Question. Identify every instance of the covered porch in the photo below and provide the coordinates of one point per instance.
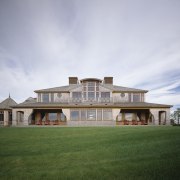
(134, 117)
(48, 117)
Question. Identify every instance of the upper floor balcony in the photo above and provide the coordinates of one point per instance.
(93, 100)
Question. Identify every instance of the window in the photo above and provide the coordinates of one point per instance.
(39, 97)
(91, 114)
(91, 90)
(76, 95)
(84, 95)
(99, 114)
(52, 116)
(107, 114)
(91, 83)
(91, 95)
(83, 114)
(74, 115)
(45, 97)
(105, 94)
(52, 97)
(136, 97)
(129, 96)
(1, 116)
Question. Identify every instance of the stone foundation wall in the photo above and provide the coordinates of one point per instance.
(91, 123)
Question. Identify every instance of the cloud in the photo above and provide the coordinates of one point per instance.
(42, 43)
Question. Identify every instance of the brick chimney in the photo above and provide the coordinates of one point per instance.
(108, 80)
(73, 80)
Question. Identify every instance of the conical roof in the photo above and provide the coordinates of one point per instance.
(7, 103)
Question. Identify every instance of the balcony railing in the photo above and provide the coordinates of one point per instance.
(91, 100)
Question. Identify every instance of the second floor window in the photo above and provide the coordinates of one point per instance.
(90, 90)
(136, 97)
(105, 94)
(45, 97)
(76, 95)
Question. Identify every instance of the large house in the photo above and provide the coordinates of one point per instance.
(90, 101)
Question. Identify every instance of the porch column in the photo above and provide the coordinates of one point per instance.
(66, 113)
(115, 113)
(27, 113)
(168, 117)
(155, 113)
(14, 117)
(6, 118)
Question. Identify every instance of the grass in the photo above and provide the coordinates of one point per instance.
(90, 153)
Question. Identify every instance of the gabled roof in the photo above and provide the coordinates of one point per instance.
(73, 86)
(115, 88)
(7, 103)
(59, 89)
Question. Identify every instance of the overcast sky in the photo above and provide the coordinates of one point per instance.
(43, 42)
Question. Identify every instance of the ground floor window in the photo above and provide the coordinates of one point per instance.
(75, 115)
(1, 116)
(107, 114)
(99, 114)
(91, 114)
(83, 115)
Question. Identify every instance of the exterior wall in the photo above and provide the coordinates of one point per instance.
(103, 89)
(6, 118)
(66, 113)
(16, 116)
(64, 96)
(155, 112)
(115, 113)
(168, 122)
(117, 97)
(91, 123)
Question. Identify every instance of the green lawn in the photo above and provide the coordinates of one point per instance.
(90, 153)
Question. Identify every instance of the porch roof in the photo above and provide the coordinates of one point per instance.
(131, 105)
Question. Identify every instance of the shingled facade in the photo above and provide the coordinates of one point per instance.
(90, 101)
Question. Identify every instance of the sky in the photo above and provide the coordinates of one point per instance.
(43, 42)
